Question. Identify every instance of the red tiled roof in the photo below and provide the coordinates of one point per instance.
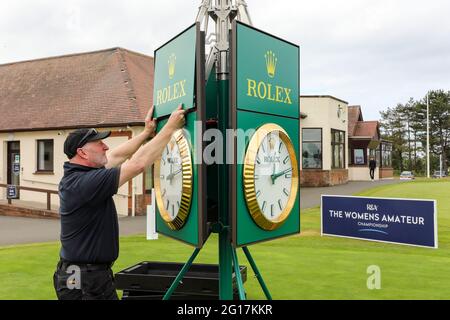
(111, 87)
(357, 127)
(367, 129)
(354, 115)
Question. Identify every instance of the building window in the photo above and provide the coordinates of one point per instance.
(338, 149)
(45, 155)
(358, 156)
(378, 156)
(312, 148)
(386, 155)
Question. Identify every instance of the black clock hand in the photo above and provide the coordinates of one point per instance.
(171, 175)
(273, 173)
(276, 176)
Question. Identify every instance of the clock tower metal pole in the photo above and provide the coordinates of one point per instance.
(225, 248)
(257, 273)
(180, 276)
(222, 15)
(223, 12)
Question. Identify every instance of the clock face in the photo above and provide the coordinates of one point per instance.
(273, 176)
(270, 176)
(173, 181)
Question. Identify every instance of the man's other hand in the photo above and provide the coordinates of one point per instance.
(150, 123)
(176, 120)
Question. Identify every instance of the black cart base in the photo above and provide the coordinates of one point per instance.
(151, 280)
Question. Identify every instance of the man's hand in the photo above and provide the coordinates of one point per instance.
(149, 153)
(176, 120)
(150, 123)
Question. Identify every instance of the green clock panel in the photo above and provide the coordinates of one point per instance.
(174, 78)
(266, 71)
(245, 230)
(193, 231)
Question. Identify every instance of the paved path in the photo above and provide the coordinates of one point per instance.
(310, 197)
(14, 230)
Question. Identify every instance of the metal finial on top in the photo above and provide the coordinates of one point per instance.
(223, 12)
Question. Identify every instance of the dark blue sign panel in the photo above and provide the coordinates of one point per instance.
(403, 221)
(11, 192)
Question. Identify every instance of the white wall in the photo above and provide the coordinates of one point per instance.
(3, 161)
(322, 113)
(28, 165)
(362, 174)
(121, 198)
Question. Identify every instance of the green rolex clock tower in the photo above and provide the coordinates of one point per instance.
(249, 82)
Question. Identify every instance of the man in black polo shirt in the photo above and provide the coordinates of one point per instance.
(89, 225)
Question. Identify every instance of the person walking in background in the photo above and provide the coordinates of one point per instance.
(372, 166)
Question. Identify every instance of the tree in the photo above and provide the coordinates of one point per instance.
(392, 129)
(439, 106)
(405, 125)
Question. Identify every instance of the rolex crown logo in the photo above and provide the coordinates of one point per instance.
(172, 61)
(271, 63)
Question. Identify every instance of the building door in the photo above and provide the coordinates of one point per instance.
(13, 163)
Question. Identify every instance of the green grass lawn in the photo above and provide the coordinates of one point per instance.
(305, 266)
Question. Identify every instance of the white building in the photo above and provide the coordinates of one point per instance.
(336, 143)
(41, 101)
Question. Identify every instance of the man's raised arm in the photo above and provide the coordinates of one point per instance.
(151, 151)
(119, 155)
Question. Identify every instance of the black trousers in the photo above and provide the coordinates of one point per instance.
(372, 173)
(84, 282)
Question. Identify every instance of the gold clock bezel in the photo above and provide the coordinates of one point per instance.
(249, 177)
(187, 184)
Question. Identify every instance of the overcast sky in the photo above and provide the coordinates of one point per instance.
(375, 53)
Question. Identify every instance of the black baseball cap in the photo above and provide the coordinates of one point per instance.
(80, 137)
